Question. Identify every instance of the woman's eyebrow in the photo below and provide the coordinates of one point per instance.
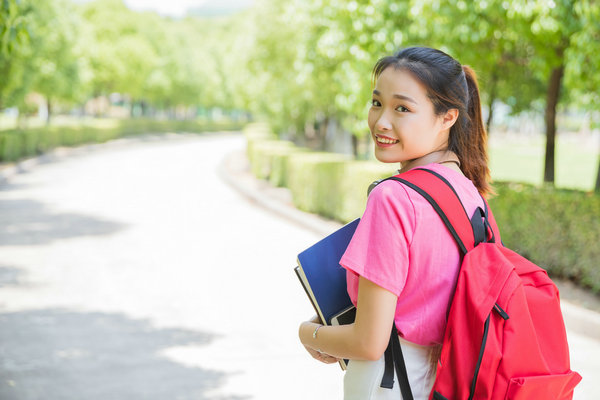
(397, 96)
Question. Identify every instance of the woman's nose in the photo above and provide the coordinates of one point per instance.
(382, 123)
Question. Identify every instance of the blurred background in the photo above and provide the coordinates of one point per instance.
(304, 66)
(295, 75)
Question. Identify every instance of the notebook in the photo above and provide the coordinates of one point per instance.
(324, 279)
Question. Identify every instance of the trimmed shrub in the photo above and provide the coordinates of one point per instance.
(12, 146)
(279, 165)
(558, 229)
(314, 179)
(261, 155)
(254, 133)
(16, 144)
(358, 176)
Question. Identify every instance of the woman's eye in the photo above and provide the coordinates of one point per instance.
(402, 109)
(375, 103)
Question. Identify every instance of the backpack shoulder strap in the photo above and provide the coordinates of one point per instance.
(468, 232)
(445, 201)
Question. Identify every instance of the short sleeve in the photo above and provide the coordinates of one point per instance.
(379, 249)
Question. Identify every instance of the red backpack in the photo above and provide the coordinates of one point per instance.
(505, 337)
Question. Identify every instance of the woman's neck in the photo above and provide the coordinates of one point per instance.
(449, 158)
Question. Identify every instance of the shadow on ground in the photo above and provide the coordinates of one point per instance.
(63, 355)
(10, 276)
(29, 222)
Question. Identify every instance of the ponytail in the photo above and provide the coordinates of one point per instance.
(469, 139)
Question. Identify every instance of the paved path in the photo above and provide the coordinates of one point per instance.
(131, 271)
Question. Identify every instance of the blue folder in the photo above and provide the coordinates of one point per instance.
(323, 277)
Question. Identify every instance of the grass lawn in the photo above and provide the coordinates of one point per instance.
(520, 158)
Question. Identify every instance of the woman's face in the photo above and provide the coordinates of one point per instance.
(402, 121)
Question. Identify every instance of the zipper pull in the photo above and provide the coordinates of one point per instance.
(500, 311)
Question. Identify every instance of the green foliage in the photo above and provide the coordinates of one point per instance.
(79, 51)
(119, 55)
(54, 67)
(262, 152)
(18, 144)
(14, 29)
(584, 52)
(15, 26)
(314, 180)
(489, 36)
(557, 229)
(311, 60)
(303, 65)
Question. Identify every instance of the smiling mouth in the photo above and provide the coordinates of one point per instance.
(385, 140)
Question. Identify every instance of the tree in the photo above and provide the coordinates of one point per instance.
(350, 38)
(13, 25)
(14, 43)
(485, 35)
(54, 66)
(583, 81)
(120, 56)
(553, 24)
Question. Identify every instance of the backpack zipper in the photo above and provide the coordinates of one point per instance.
(486, 328)
(500, 311)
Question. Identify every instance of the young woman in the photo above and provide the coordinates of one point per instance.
(402, 263)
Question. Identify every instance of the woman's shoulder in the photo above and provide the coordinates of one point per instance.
(463, 186)
(391, 191)
(388, 191)
(391, 201)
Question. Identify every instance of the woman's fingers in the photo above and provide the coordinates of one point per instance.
(324, 358)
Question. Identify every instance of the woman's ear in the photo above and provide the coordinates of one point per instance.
(449, 118)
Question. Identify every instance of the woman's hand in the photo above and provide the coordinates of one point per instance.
(316, 354)
(366, 338)
(324, 358)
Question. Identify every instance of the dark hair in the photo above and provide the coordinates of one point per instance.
(450, 85)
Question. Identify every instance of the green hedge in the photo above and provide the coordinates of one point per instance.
(557, 229)
(17, 144)
(314, 179)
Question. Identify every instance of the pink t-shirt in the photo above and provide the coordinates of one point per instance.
(402, 245)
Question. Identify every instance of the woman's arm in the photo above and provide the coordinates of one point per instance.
(365, 339)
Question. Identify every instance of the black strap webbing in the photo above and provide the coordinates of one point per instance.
(394, 357)
(388, 373)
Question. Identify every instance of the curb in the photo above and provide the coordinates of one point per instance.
(234, 170)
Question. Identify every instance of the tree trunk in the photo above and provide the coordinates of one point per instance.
(355, 146)
(49, 109)
(597, 187)
(488, 123)
(493, 84)
(550, 118)
(322, 133)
